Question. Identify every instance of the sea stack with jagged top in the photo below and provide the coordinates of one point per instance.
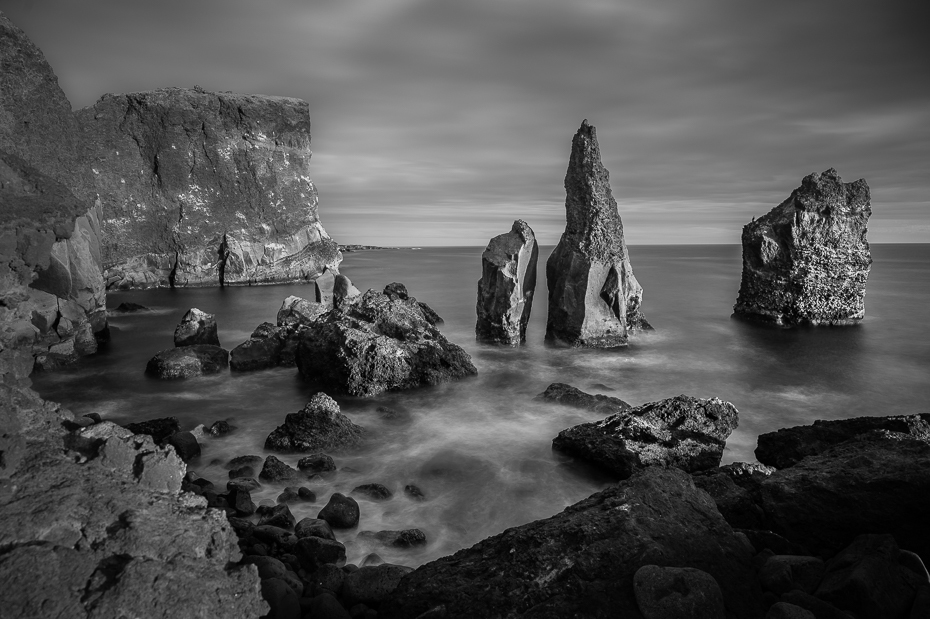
(594, 299)
(506, 287)
(806, 262)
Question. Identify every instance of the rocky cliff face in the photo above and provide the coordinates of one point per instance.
(807, 260)
(51, 232)
(507, 285)
(200, 188)
(594, 299)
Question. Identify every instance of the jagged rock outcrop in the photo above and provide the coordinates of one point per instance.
(380, 341)
(48, 216)
(507, 285)
(807, 260)
(689, 433)
(594, 299)
(318, 426)
(203, 188)
(582, 562)
(196, 327)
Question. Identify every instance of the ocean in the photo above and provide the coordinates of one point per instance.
(480, 448)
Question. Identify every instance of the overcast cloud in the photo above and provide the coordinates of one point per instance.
(441, 121)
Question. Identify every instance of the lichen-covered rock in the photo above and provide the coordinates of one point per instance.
(566, 395)
(379, 342)
(581, 562)
(689, 433)
(594, 299)
(807, 260)
(320, 425)
(788, 446)
(196, 327)
(507, 285)
(203, 188)
(187, 362)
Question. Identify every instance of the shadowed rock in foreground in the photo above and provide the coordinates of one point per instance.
(807, 260)
(582, 562)
(507, 285)
(594, 299)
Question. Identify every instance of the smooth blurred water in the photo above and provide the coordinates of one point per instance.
(481, 448)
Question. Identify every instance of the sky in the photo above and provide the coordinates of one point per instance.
(439, 122)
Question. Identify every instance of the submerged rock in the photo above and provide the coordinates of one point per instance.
(379, 342)
(566, 395)
(320, 425)
(196, 327)
(204, 188)
(689, 433)
(507, 285)
(807, 260)
(582, 561)
(594, 299)
(188, 361)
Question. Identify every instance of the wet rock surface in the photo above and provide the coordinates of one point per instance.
(807, 260)
(566, 395)
(594, 299)
(507, 286)
(689, 433)
(381, 341)
(318, 426)
(582, 561)
(187, 362)
(203, 188)
(196, 327)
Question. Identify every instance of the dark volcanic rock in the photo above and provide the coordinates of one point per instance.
(341, 512)
(407, 538)
(507, 285)
(807, 260)
(581, 562)
(275, 470)
(788, 446)
(185, 443)
(319, 425)
(373, 583)
(689, 433)
(374, 492)
(128, 307)
(379, 342)
(262, 349)
(188, 361)
(196, 327)
(202, 188)
(680, 592)
(316, 463)
(560, 393)
(594, 299)
(158, 429)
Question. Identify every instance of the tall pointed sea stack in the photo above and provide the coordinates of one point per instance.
(506, 287)
(807, 261)
(594, 298)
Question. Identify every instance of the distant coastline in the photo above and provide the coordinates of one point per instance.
(350, 248)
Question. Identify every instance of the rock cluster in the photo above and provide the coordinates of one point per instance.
(197, 349)
(204, 188)
(686, 432)
(594, 299)
(807, 260)
(507, 285)
(319, 426)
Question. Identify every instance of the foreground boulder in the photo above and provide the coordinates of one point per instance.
(196, 327)
(380, 341)
(594, 299)
(689, 433)
(188, 361)
(807, 260)
(204, 188)
(319, 426)
(582, 562)
(507, 285)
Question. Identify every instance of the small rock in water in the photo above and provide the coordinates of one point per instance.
(316, 463)
(129, 306)
(312, 552)
(249, 460)
(158, 429)
(414, 492)
(196, 328)
(275, 470)
(372, 558)
(219, 428)
(185, 444)
(566, 395)
(277, 516)
(306, 494)
(243, 483)
(314, 527)
(288, 496)
(408, 538)
(319, 425)
(341, 512)
(375, 492)
(244, 471)
(188, 361)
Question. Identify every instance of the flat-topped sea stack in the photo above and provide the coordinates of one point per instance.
(506, 287)
(201, 189)
(806, 262)
(594, 299)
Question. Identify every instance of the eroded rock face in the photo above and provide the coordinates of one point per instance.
(594, 299)
(507, 285)
(807, 260)
(196, 327)
(582, 561)
(380, 341)
(689, 433)
(202, 188)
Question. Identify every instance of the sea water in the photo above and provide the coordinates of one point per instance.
(480, 448)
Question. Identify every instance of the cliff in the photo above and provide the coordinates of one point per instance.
(594, 298)
(200, 188)
(807, 260)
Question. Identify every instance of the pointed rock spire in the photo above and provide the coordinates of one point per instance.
(594, 298)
